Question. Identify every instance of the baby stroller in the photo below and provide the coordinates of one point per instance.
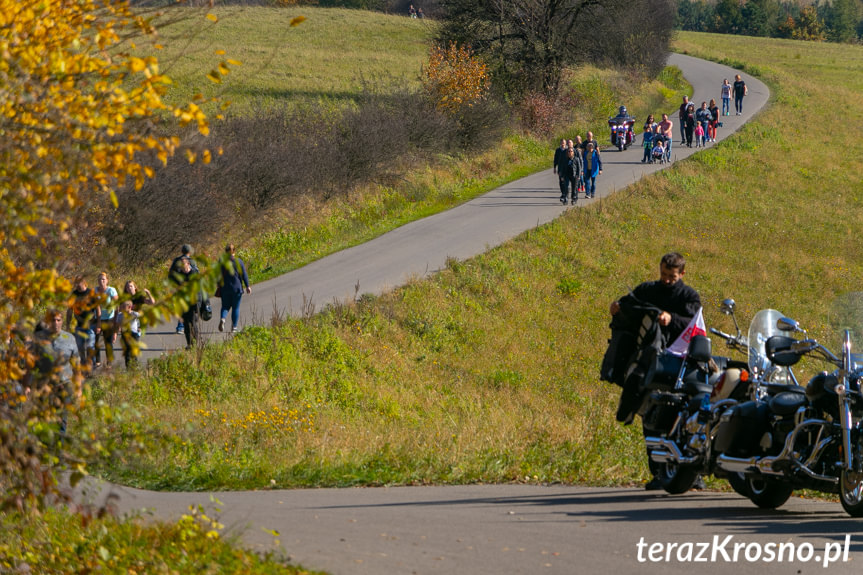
(658, 153)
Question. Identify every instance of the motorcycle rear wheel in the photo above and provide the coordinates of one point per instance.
(768, 493)
(851, 493)
(675, 478)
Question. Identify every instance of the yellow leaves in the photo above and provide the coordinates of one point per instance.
(455, 78)
(212, 18)
(137, 64)
(297, 21)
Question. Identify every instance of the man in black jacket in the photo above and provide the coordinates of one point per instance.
(559, 156)
(678, 303)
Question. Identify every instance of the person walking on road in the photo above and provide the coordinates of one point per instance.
(666, 128)
(234, 277)
(176, 268)
(739, 90)
(592, 167)
(105, 328)
(702, 117)
(689, 124)
(127, 323)
(185, 273)
(83, 316)
(726, 97)
(569, 174)
(714, 120)
(51, 379)
(559, 156)
(681, 116)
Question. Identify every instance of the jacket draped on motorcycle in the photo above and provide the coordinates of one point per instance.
(681, 301)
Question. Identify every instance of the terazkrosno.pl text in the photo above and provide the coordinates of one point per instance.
(728, 550)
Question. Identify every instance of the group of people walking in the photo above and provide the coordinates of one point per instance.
(100, 314)
(230, 290)
(577, 168)
(577, 164)
(103, 315)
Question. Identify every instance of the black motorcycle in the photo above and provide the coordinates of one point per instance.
(690, 446)
(792, 440)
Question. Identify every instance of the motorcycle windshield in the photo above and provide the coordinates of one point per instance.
(763, 327)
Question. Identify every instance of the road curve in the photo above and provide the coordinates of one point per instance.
(422, 247)
(504, 528)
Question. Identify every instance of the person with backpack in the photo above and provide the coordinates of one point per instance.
(234, 277)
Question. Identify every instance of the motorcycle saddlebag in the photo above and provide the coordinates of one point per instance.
(742, 428)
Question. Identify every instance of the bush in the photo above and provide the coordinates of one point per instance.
(276, 156)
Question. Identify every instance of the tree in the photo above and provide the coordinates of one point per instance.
(842, 17)
(728, 17)
(454, 78)
(81, 115)
(528, 43)
(694, 15)
(759, 17)
(809, 25)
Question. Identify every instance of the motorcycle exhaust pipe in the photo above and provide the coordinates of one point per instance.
(762, 465)
(666, 451)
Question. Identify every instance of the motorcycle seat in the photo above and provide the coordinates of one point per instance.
(787, 403)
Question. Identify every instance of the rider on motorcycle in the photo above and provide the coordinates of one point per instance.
(623, 116)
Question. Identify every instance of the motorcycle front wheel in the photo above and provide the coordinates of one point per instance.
(768, 493)
(851, 493)
(675, 478)
(739, 484)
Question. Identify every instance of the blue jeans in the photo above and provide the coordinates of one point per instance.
(231, 301)
(86, 341)
(668, 148)
(726, 106)
(589, 185)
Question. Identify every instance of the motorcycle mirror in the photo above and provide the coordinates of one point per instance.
(788, 324)
(727, 306)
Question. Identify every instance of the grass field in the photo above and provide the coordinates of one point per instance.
(488, 371)
(326, 58)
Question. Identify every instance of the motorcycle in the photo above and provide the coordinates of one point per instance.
(793, 440)
(621, 131)
(786, 436)
(686, 449)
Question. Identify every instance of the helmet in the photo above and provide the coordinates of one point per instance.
(622, 111)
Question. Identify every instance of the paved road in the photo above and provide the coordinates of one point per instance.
(505, 528)
(509, 529)
(423, 247)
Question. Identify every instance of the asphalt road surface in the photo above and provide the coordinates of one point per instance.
(507, 528)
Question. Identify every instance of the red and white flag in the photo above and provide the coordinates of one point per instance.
(696, 327)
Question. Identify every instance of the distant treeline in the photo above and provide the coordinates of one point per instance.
(818, 20)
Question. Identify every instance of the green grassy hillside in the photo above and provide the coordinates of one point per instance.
(488, 372)
(327, 57)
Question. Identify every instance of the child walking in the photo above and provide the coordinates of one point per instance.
(699, 136)
(127, 322)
